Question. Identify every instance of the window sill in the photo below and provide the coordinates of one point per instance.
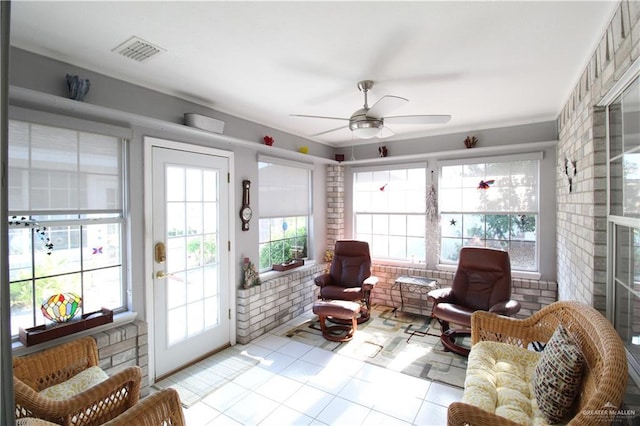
(528, 275)
(18, 349)
(399, 263)
(269, 275)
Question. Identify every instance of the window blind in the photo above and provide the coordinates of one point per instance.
(283, 190)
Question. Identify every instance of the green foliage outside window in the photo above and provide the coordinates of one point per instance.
(291, 245)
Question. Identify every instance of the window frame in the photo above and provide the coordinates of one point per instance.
(534, 156)
(284, 215)
(77, 217)
(354, 210)
(621, 250)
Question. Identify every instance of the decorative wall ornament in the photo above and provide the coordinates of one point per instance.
(486, 184)
(77, 88)
(432, 201)
(268, 140)
(470, 142)
(245, 211)
(570, 171)
(41, 231)
(382, 151)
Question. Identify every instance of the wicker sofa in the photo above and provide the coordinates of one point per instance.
(604, 375)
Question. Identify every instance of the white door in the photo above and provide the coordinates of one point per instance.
(190, 265)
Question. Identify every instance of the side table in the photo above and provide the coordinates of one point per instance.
(412, 285)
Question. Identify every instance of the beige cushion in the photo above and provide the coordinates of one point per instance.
(499, 381)
(557, 377)
(82, 381)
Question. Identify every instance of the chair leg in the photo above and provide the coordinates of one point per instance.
(448, 341)
(444, 325)
(323, 326)
(338, 333)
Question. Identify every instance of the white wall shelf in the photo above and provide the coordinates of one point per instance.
(486, 151)
(28, 98)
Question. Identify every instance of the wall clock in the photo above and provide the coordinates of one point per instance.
(245, 211)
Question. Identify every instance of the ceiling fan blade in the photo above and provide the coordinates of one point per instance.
(417, 119)
(329, 131)
(319, 116)
(385, 133)
(386, 105)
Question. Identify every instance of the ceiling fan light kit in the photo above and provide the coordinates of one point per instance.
(367, 123)
(365, 127)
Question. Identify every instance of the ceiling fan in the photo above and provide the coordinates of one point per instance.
(369, 122)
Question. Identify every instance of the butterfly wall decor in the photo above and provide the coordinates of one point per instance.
(484, 184)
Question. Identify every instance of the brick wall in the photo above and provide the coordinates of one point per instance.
(581, 215)
(335, 205)
(264, 307)
(124, 346)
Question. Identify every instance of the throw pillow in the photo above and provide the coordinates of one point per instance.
(77, 384)
(557, 377)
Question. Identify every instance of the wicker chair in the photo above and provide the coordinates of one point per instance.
(94, 406)
(604, 379)
(162, 408)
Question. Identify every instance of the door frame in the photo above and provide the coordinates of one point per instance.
(151, 142)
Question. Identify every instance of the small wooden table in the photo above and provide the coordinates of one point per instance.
(414, 285)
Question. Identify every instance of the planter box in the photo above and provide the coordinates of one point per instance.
(286, 266)
(44, 333)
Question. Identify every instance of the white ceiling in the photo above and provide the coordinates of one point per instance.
(488, 64)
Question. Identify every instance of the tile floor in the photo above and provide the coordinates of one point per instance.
(298, 384)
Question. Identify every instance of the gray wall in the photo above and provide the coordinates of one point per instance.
(47, 76)
(503, 136)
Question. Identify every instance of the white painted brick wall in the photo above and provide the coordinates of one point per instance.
(581, 218)
(264, 307)
(125, 346)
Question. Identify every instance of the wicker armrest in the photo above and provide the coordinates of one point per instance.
(96, 405)
(162, 407)
(498, 328)
(461, 414)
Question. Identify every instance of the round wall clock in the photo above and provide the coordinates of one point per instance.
(245, 211)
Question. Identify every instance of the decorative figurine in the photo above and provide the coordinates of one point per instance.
(251, 277)
(77, 87)
(470, 142)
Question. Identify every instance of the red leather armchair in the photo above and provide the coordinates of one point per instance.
(349, 277)
(482, 282)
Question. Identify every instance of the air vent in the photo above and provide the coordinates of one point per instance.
(137, 49)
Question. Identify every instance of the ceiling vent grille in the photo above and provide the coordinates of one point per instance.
(137, 49)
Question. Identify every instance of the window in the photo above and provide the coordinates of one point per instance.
(490, 204)
(66, 189)
(284, 191)
(390, 212)
(624, 217)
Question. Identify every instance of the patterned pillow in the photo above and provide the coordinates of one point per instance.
(79, 383)
(557, 377)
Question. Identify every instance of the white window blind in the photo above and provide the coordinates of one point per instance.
(54, 170)
(283, 190)
(513, 183)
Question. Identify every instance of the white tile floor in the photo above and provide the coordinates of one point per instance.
(298, 384)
